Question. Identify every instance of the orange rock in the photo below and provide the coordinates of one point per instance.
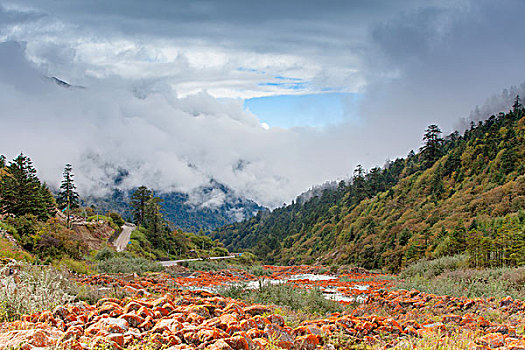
(71, 344)
(277, 319)
(261, 322)
(257, 309)
(282, 337)
(451, 318)
(262, 343)
(248, 324)
(307, 342)
(195, 318)
(132, 319)
(169, 325)
(33, 337)
(492, 340)
(131, 306)
(219, 345)
(72, 333)
(116, 338)
(238, 343)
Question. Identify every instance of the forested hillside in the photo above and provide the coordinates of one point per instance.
(461, 193)
(183, 211)
(36, 226)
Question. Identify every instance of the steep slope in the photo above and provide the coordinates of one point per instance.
(465, 195)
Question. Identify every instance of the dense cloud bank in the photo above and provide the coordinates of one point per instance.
(158, 87)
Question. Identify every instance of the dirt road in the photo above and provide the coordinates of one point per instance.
(122, 241)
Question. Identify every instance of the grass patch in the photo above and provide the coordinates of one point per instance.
(433, 268)
(27, 289)
(448, 276)
(128, 264)
(311, 301)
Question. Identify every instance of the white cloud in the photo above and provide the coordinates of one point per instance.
(164, 85)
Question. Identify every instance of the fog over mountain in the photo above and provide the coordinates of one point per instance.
(157, 90)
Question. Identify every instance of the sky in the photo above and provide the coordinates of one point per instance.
(268, 98)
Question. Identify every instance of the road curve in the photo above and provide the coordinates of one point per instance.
(122, 241)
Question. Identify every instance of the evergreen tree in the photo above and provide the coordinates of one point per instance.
(2, 161)
(48, 204)
(139, 199)
(20, 188)
(517, 107)
(67, 197)
(432, 150)
(359, 185)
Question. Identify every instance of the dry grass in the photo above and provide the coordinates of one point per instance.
(27, 289)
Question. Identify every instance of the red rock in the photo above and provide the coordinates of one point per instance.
(307, 342)
(282, 337)
(451, 318)
(248, 324)
(238, 343)
(116, 338)
(219, 345)
(277, 319)
(195, 318)
(167, 325)
(492, 340)
(260, 321)
(132, 319)
(257, 309)
(72, 333)
(33, 337)
(71, 344)
(131, 306)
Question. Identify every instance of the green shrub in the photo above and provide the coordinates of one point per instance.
(8, 228)
(128, 264)
(36, 288)
(471, 283)
(77, 266)
(106, 219)
(247, 258)
(105, 254)
(311, 301)
(432, 268)
(219, 251)
(117, 219)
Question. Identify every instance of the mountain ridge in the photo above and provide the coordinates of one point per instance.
(409, 209)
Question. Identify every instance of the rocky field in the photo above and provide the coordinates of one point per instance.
(194, 310)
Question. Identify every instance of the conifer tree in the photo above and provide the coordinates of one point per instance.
(67, 198)
(517, 107)
(432, 150)
(20, 188)
(139, 199)
(48, 203)
(2, 161)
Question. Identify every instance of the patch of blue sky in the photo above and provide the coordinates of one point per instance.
(280, 77)
(312, 110)
(288, 86)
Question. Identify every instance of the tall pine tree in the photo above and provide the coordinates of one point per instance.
(139, 200)
(432, 150)
(67, 197)
(20, 189)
